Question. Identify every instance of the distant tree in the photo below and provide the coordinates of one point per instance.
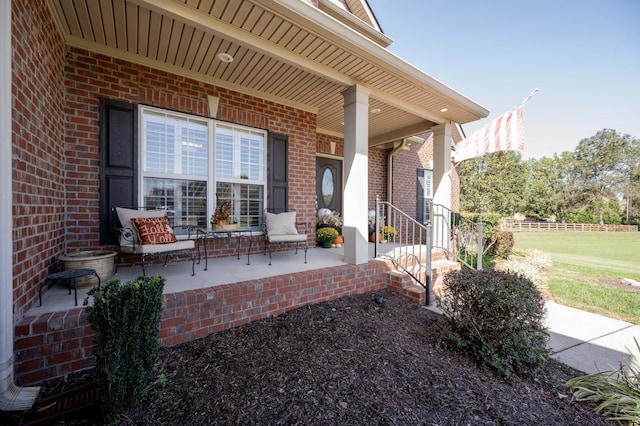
(569, 194)
(544, 187)
(590, 213)
(631, 190)
(600, 167)
(493, 183)
(582, 186)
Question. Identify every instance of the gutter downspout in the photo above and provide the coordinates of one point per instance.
(12, 397)
(390, 169)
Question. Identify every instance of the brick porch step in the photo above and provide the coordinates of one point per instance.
(402, 282)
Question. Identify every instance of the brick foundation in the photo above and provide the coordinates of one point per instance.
(54, 344)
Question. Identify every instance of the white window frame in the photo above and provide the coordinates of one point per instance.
(210, 178)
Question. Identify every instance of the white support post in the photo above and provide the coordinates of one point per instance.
(442, 164)
(442, 141)
(12, 397)
(356, 163)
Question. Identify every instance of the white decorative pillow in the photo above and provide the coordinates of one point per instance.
(281, 223)
(125, 215)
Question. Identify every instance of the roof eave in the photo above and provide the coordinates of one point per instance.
(354, 22)
(319, 22)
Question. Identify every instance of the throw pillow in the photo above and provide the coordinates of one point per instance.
(125, 215)
(281, 223)
(154, 230)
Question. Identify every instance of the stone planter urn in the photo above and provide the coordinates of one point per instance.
(100, 260)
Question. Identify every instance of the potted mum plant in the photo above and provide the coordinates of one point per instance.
(326, 236)
(388, 232)
(329, 219)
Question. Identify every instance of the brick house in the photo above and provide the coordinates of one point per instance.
(93, 91)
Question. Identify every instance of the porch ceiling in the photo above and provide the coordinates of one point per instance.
(284, 50)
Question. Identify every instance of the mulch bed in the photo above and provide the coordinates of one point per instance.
(346, 362)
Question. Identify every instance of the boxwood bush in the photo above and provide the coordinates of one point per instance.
(496, 318)
(126, 319)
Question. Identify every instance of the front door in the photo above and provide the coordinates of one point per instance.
(329, 183)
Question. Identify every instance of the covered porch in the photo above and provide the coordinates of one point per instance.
(220, 271)
(56, 339)
(308, 76)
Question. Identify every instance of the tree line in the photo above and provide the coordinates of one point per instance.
(597, 183)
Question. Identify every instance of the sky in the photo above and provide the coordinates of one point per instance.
(583, 56)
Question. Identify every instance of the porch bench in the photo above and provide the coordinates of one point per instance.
(146, 231)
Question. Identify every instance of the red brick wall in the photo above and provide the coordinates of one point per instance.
(405, 165)
(377, 166)
(377, 175)
(324, 144)
(55, 344)
(90, 76)
(37, 148)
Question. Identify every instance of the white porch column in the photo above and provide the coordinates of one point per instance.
(356, 178)
(442, 164)
(12, 397)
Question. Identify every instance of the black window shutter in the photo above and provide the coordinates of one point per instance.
(420, 196)
(278, 173)
(118, 162)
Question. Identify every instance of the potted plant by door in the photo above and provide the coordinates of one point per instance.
(329, 219)
(388, 232)
(326, 236)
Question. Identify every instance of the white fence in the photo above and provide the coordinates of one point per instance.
(511, 225)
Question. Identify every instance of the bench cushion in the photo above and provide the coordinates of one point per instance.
(158, 248)
(298, 238)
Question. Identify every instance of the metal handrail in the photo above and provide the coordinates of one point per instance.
(408, 242)
(461, 238)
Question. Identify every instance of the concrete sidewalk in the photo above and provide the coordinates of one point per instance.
(590, 342)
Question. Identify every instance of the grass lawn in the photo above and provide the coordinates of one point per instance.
(583, 262)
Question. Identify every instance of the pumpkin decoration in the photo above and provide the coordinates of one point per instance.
(373, 237)
(338, 240)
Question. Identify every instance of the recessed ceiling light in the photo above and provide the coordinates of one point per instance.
(225, 57)
(375, 110)
(444, 110)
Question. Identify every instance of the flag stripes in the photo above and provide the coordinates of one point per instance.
(505, 133)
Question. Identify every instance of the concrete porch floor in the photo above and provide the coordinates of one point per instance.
(225, 270)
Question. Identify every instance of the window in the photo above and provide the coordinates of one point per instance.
(241, 172)
(188, 160)
(428, 194)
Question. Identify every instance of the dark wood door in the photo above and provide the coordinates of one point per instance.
(329, 183)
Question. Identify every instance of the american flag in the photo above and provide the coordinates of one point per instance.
(505, 133)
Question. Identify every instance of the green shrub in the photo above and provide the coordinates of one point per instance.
(490, 228)
(503, 245)
(490, 221)
(125, 318)
(495, 318)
